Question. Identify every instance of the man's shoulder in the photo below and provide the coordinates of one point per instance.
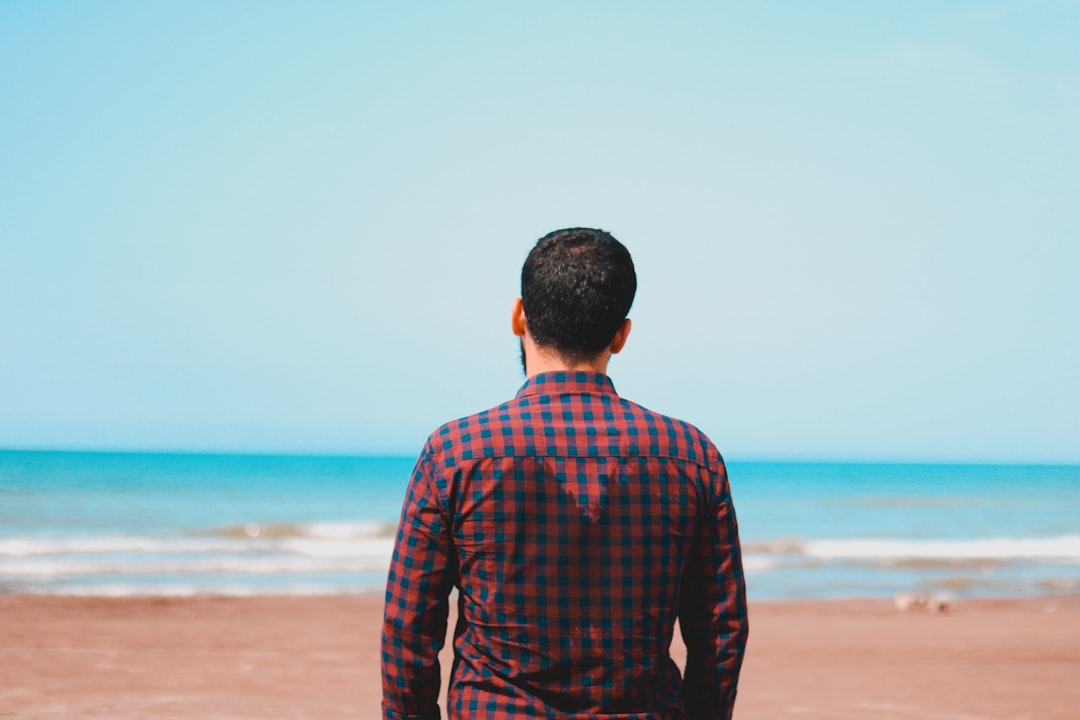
(469, 433)
(658, 433)
(528, 426)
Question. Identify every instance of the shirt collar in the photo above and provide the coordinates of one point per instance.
(554, 383)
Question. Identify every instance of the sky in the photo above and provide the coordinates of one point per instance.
(298, 226)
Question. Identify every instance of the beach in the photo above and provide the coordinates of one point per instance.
(318, 657)
(245, 586)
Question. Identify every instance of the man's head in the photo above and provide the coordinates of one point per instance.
(577, 286)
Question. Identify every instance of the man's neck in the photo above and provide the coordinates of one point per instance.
(541, 360)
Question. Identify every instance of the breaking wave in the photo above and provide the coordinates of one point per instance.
(1063, 549)
(290, 558)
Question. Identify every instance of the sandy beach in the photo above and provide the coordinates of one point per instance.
(317, 657)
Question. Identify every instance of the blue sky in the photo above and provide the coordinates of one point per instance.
(298, 227)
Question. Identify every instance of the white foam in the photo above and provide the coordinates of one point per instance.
(1063, 549)
(339, 548)
(81, 566)
(24, 546)
(347, 530)
(758, 564)
(337, 542)
(182, 590)
(317, 530)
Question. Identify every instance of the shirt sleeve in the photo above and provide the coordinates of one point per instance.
(422, 572)
(712, 611)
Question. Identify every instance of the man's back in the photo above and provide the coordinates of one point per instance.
(577, 526)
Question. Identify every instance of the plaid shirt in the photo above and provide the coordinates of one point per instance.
(576, 526)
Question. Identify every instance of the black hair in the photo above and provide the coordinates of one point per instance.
(577, 286)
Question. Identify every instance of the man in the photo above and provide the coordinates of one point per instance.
(575, 525)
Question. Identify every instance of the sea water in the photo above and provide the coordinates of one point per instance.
(183, 524)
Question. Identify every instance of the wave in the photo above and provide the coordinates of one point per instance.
(351, 540)
(759, 564)
(207, 565)
(193, 590)
(148, 547)
(1064, 549)
(25, 546)
(317, 531)
(318, 558)
(240, 555)
(319, 539)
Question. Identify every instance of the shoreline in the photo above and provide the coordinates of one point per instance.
(318, 656)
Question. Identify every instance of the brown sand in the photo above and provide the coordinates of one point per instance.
(218, 658)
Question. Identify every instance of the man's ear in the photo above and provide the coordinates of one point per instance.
(621, 334)
(517, 317)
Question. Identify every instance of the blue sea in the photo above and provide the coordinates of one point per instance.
(175, 524)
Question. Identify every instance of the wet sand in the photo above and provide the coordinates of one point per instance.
(318, 657)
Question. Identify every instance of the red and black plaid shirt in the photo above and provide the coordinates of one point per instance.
(576, 526)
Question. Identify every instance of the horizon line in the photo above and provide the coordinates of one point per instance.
(389, 453)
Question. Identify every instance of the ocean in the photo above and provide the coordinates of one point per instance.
(184, 524)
